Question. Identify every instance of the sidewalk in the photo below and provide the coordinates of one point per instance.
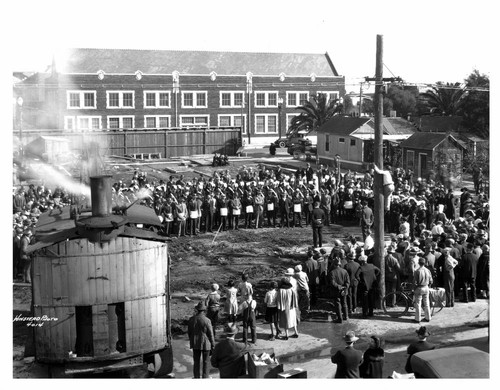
(320, 337)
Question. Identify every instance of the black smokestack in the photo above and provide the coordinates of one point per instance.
(100, 189)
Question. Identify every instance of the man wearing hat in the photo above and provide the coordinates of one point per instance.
(468, 270)
(318, 217)
(25, 258)
(348, 359)
(201, 339)
(419, 346)
(422, 280)
(311, 268)
(392, 271)
(338, 281)
(352, 295)
(368, 280)
(228, 355)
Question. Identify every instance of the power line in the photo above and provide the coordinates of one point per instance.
(315, 85)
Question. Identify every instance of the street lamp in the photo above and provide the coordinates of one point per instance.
(20, 102)
(280, 105)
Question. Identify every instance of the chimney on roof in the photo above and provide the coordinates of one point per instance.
(392, 114)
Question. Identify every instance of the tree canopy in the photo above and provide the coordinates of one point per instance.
(313, 113)
(402, 99)
(476, 106)
(445, 98)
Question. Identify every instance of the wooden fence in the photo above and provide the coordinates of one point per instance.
(164, 143)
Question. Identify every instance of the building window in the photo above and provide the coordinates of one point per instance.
(327, 143)
(194, 99)
(232, 121)
(231, 99)
(341, 140)
(294, 99)
(266, 123)
(194, 120)
(353, 142)
(88, 122)
(120, 99)
(330, 95)
(410, 157)
(81, 99)
(121, 122)
(156, 99)
(266, 99)
(69, 122)
(156, 121)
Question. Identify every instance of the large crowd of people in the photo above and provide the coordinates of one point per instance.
(437, 239)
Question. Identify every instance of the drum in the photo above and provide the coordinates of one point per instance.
(297, 208)
(236, 211)
(348, 205)
(223, 212)
(249, 209)
(193, 214)
(270, 206)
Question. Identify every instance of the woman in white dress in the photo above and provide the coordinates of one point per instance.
(287, 303)
(231, 305)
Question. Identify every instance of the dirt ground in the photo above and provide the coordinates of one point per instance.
(197, 262)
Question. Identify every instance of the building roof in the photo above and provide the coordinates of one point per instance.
(442, 124)
(426, 141)
(397, 128)
(126, 61)
(342, 125)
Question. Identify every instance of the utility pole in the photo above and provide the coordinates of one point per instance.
(360, 98)
(378, 158)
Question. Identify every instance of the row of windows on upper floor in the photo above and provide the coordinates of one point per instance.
(263, 123)
(189, 99)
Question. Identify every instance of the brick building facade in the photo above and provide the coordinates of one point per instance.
(88, 89)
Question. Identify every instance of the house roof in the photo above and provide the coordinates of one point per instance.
(397, 128)
(126, 61)
(426, 141)
(442, 124)
(342, 125)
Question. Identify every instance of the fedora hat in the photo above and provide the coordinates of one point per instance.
(350, 337)
(231, 329)
(422, 331)
(200, 306)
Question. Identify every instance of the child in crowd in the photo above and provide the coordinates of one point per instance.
(271, 315)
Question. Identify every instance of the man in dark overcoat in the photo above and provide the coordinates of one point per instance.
(229, 356)
(348, 359)
(201, 339)
(338, 281)
(368, 283)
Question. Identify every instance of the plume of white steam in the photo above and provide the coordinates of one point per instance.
(52, 178)
(144, 193)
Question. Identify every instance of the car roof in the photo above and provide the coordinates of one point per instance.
(452, 362)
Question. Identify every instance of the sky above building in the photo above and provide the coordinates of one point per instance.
(423, 42)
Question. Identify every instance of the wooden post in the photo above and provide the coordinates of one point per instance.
(378, 160)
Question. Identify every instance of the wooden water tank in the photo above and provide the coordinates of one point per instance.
(109, 299)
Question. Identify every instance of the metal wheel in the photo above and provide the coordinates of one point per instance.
(395, 304)
(281, 144)
(435, 307)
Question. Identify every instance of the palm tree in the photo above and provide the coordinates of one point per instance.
(445, 98)
(316, 111)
